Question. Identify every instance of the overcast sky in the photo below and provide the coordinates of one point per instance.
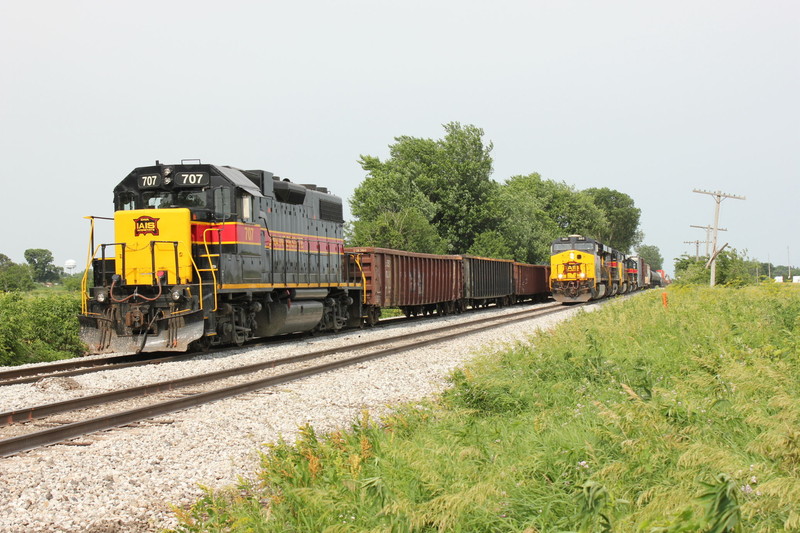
(653, 99)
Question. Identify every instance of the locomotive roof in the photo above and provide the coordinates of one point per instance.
(574, 238)
(239, 179)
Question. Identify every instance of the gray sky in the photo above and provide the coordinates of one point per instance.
(652, 99)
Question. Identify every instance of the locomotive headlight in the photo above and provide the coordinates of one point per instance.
(561, 276)
(571, 255)
(176, 294)
(100, 296)
(582, 275)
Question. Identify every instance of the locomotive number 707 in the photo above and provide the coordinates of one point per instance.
(193, 178)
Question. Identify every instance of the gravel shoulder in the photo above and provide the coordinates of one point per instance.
(126, 479)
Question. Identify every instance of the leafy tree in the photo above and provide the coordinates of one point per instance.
(622, 229)
(407, 229)
(534, 212)
(733, 269)
(446, 181)
(15, 277)
(41, 261)
(651, 255)
(491, 244)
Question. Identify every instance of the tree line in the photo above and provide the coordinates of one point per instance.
(734, 269)
(437, 196)
(38, 268)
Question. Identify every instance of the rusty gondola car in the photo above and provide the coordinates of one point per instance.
(531, 282)
(416, 283)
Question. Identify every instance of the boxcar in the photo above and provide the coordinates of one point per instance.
(416, 283)
(488, 281)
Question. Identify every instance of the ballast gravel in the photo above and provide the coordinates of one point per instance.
(127, 479)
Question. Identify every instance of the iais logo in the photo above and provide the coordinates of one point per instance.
(145, 225)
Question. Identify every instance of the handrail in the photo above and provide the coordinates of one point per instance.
(363, 277)
(90, 257)
(153, 261)
(85, 278)
(210, 264)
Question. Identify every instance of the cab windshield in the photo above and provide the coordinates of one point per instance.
(166, 199)
(566, 246)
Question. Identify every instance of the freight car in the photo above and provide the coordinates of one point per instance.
(584, 269)
(208, 255)
(531, 282)
(424, 284)
(416, 283)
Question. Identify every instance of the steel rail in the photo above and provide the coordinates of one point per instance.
(56, 368)
(46, 437)
(99, 368)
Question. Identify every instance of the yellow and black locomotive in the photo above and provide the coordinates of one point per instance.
(583, 269)
(206, 254)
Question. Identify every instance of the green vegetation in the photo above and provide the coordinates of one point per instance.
(651, 255)
(734, 269)
(634, 418)
(36, 328)
(41, 262)
(437, 196)
(38, 321)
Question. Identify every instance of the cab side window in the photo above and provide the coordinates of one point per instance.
(246, 207)
(222, 202)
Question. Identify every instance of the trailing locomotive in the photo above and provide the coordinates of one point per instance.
(215, 255)
(209, 255)
(583, 269)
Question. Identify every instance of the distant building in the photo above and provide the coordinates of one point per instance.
(778, 279)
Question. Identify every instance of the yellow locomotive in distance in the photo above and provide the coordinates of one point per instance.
(583, 269)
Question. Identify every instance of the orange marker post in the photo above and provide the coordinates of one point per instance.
(664, 299)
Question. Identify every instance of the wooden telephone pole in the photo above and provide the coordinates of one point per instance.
(708, 229)
(718, 197)
(696, 248)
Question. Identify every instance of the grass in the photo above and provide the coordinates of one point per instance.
(633, 418)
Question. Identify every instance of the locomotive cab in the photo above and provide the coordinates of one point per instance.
(574, 265)
(584, 269)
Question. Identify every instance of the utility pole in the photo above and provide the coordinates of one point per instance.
(708, 229)
(718, 197)
(696, 248)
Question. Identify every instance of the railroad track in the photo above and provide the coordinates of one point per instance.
(372, 350)
(75, 367)
(80, 366)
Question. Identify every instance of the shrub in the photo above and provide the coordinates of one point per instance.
(38, 328)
